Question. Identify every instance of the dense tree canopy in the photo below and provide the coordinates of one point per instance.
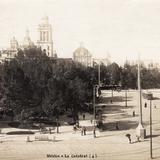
(35, 83)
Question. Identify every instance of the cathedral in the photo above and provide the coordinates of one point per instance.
(44, 41)
(83, 56)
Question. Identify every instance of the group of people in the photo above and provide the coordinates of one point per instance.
(83, 130)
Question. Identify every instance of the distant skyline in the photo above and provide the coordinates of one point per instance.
(122, 28)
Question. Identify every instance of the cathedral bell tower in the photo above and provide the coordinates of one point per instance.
(45, 37)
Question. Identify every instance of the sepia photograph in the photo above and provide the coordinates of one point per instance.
(79, 79)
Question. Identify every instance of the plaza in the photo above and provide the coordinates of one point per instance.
(111, 143)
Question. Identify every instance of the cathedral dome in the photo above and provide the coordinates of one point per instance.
(81, 51)
(83, 56)
(27, 41)
(13, 43)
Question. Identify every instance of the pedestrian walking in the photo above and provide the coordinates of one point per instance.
(129, 137)
(145, 105)
(77, 124)
(74, 128)
(133, 113)
(91, 120)
(50, 131)
(83, 116)
(155, 106)
(138, 138)
(94, 132)
(84, 131)
(117, 127)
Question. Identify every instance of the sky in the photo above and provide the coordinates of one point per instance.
(121, 28)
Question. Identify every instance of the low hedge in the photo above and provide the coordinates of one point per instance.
(20, 132)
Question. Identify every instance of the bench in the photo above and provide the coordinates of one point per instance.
(44, 138)
(41, 138)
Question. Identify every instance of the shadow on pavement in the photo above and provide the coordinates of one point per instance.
(157, 135)
(116, 109)
(115, 99)
(156, 98)
(120, 125)
(139, 141)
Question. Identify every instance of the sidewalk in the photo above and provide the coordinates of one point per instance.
(65, 133)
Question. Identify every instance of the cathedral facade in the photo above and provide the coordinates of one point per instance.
(44, 41)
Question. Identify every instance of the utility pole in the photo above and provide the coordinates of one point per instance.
(140, 130)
